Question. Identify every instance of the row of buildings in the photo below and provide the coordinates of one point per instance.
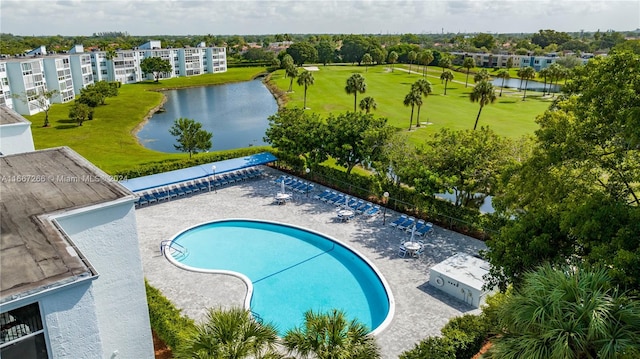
(23, 77)
(538, 62)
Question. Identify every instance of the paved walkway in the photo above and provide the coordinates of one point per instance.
(420, 310)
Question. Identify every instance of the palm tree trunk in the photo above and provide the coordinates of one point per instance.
(466, 81)
(305, 97)
(477, 118)
(355, 100)
(526, 84)
(411, 119)
(502, 87)
(445, 87)
(418, 117)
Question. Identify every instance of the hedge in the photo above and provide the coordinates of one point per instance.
(166, 320)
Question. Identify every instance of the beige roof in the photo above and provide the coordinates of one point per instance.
(9, 116)
(34, 254)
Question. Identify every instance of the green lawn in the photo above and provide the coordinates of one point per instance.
(108, 140)
(508, 116)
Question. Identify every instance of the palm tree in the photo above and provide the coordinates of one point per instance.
(526, 73)
(411, 56)
(367, 104)
(331, 336)
(544, 73)
(366, 60)
(468, 63)
(484, 94)
(568, 312)
(445, 62)
(355, 84)
(392, 58)
(422, 87)
(230, 334)
(412, 99)
(425, 58)
(503, 74)
(305, 79)
(292, 72)
(481, 75)
(446, 76)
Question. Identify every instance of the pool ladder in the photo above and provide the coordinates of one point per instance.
(257, 317)
(174, 247)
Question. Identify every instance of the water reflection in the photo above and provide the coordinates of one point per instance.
(235, 113)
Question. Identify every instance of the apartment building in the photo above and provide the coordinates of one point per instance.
(5, 91)
(488, 60)
(27, 80)
(57, 73)
(81, 69)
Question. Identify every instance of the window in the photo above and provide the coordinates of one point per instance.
(22, 334)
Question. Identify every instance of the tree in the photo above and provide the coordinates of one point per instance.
(156, 66)
(302, 52)
(41, 99)
(412, 99)
(482, 75)
(425, 57)
(468, 63)
(230, 334)
(484, 40)
(569, 312)
(378, 55)
(79, 112)
(104, 89)
(423, 88)
(305, 79)
(445, 62)
(545, 38)
(392, 58)
(411, 56)
(526, 73)
(578, 195)
(325, 52)
(353, 138)
(331, 336)
(446, 76)
(366, 60)
(503, 74)
(297, 133)
(544, 73)
(509, 63)
(355, 84)
(354, 47)
(484, 94)
(191, 137)
(467, 163)
(292, 72)
(367, 104)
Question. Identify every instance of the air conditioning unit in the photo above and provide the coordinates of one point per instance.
(461, 276)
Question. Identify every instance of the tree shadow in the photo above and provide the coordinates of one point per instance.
(65, 124)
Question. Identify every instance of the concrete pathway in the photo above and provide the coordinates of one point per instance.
(420, 309)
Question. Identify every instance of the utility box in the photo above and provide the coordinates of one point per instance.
(462, 277)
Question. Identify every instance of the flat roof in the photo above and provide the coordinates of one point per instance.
(465, 269)
(34, 253)
(191, 173)
(8, 116)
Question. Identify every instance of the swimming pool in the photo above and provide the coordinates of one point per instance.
(288, 270)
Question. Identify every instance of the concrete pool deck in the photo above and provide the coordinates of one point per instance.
(420, 309)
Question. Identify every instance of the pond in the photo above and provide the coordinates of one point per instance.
(531, 85)
(236, 114)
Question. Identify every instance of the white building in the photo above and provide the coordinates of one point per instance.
(71, 280)
(462, 277)
(5, 90)
(15, 133)
(26, 79)
(69, 73)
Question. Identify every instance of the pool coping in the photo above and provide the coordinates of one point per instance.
(249, 284)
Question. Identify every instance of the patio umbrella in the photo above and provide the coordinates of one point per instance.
(346, 201)
(413, 232)
(282, 186)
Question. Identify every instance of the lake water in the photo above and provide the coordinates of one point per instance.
(235, 113)
(531, 86)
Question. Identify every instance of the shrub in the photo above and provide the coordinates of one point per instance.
(467, 334)
(166, 320)
(431, 348)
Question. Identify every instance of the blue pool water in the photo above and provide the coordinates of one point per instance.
(292, 270)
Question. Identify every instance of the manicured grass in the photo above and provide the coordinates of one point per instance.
(508, 116)
(108, 140)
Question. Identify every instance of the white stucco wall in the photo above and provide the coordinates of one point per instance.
(16, 138)
(107, 236)
(71, 323)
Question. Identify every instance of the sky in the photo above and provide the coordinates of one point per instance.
(256, 17)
